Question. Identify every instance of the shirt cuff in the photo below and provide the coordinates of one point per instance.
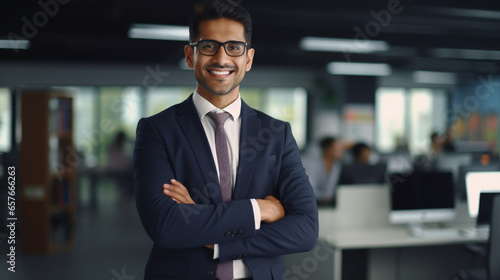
(216, 251)
(256, 213)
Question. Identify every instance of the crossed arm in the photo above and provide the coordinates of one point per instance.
(173, 221)
(271, 209)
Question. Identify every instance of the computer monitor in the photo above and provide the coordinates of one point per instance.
(478, 182)
(362, 174)
(422, 196)
(462, 172)
(485, 208)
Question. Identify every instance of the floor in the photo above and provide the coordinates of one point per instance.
(110, 244)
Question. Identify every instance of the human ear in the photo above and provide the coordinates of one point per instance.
(189, 54)
(250, 54)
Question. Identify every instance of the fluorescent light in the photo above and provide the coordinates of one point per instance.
(159, 32)
(465, 54)
(359, 69)
(15, 44)
(472, 13)
(431, 77)
(342, 45)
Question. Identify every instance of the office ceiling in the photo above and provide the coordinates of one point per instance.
(96, 31)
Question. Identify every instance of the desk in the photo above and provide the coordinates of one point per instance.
(383, 237)
(360, 221)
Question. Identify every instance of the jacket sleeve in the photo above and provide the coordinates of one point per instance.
(172, 225)
(298, 230)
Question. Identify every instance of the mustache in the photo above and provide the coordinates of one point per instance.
(216, 65)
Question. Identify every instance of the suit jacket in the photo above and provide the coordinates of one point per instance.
(172, 145)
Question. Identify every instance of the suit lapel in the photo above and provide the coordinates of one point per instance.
(250, 126)
(190, 124)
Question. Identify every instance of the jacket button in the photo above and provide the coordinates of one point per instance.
(227, 234)
(240, 232)
(210, 273)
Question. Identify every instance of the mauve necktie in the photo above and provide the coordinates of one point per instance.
(224, 269)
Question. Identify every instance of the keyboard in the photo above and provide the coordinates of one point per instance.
(435, 232)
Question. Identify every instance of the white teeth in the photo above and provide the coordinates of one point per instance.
(219, 72)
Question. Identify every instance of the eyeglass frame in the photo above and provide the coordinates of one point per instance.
(197, 44)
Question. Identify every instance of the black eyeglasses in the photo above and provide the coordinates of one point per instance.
(211, 47)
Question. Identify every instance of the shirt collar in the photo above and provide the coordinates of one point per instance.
(203, 106)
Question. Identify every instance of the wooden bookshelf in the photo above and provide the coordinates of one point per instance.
(47, 161)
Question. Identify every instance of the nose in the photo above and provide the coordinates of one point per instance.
(221, 56)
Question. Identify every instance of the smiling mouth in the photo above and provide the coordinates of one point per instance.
(220, 73)
(215, 72)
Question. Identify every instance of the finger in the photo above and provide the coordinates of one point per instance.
(175, 196)
(178, 184)
(171, 190)
(178, 194)
(176, 189)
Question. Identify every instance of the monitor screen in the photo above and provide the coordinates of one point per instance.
(464, 169)
(478, 182)
(422, 196)
(485, 208)
(362, 174)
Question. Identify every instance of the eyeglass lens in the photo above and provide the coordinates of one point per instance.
(210, 47)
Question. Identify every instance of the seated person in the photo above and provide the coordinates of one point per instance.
(361, 153)
(361, 171)
(324, 172)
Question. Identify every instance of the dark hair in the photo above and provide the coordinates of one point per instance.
(434, 136)
(327, 142)
(217, 9)
(357, 148)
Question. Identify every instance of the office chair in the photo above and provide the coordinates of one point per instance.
(492, 269)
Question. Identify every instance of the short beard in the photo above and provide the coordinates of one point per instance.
(218, 93)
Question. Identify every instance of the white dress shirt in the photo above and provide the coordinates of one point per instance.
(232, 128)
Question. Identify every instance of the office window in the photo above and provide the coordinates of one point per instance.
(290, 105)
(120, 108)
(5, 120)
(427, 114)
(160, 98)
(390, 123)
(405, 118)
(86, 129)
(252, 97)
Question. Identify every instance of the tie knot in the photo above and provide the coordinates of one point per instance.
(219, 118)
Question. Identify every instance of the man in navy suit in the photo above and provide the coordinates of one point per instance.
(271, 210)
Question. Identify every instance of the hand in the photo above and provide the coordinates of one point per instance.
(271, 209)
(177, 192)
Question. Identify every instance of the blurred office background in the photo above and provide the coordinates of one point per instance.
(386, 73)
